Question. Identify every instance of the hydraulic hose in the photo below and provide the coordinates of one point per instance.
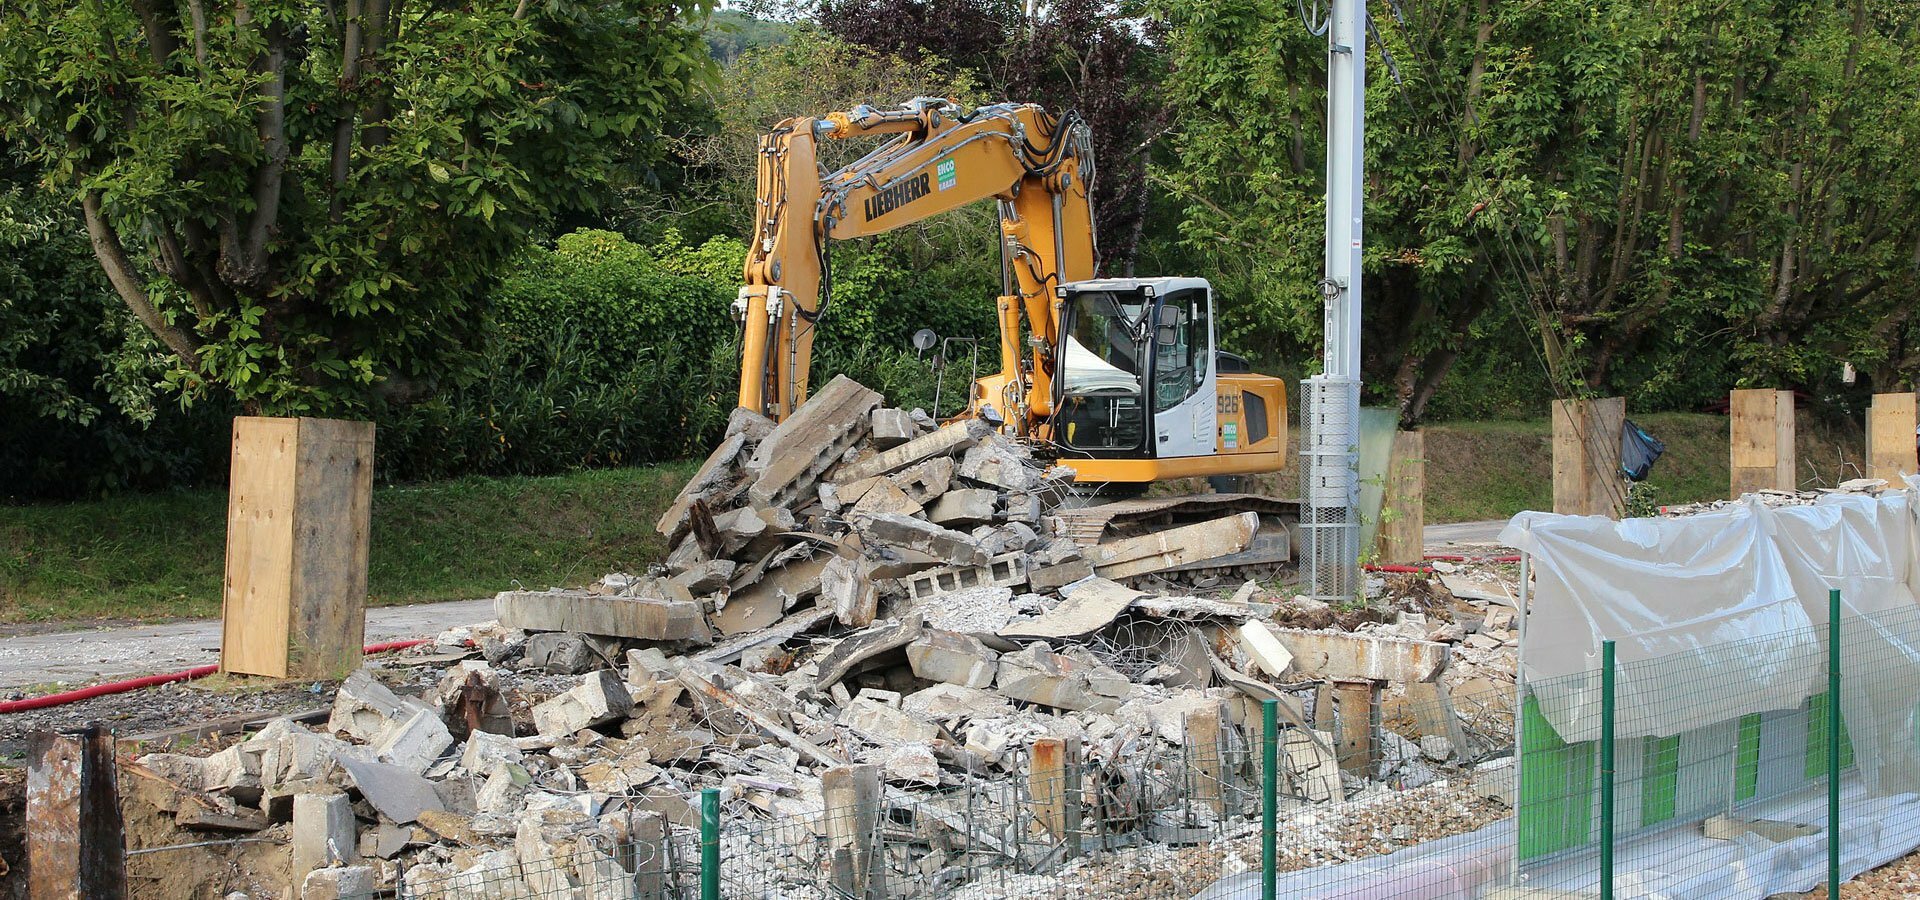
(147, 681)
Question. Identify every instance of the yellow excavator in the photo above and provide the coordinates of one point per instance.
(1117, 378)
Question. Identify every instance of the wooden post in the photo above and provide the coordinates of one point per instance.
(1206, 757)
(1890, 438)
(1053, 781)
(649, 850)
(1355, 703)
(1403, 516)
(852, 795)
(298, 510)
(1760, 424)
(76, 845)
(1586, 457)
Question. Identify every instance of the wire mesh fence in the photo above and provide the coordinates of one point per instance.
(1645, 778)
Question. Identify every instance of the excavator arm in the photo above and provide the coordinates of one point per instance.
(1038, 167)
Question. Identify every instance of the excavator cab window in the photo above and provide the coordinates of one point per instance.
(1180, 349)
(1105, 342)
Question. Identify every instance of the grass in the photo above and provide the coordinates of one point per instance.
(160, 556)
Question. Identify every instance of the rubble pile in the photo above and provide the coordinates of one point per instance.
(856, 593)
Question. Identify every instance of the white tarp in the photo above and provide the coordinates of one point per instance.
(1702, 601)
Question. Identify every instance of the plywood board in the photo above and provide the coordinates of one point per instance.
(298, 519)
(1890, 437)
(260, 504)
(1760, 441)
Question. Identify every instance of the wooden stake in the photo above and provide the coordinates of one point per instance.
(1053, 781)
(1890, 438)
(1354, 702)
(1586, 457)
(852, 795)
(1403, 518)
(76, 845)
(1761, 434)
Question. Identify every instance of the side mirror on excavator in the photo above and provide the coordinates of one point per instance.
(1167, 333)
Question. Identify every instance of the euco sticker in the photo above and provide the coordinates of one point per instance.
(1230, 434)
(948, 172)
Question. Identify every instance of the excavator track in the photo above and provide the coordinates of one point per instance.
(1271, 555)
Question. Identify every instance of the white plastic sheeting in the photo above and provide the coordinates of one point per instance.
(1729, 606)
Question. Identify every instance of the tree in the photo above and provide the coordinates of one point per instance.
(298, 198)
(1093, 56)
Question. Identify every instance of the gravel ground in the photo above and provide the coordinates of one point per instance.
(182, 703)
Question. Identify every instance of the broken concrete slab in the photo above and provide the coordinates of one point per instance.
(646, 618)
(707, 577)
(393, 791)
(599, 697)
(948, 440)
(1357, 657)
(1088, 607)
(722, 465)
(863, 646)
(952, 658)
(964, 507)
(885, 725)
(322, 833)
(559, 652)
(979, 611)
(363, 707)
(849, 591)
(1174, 547)
(1001, 464)
(1487, 589)
(414, 743)
(1045, 579)
(338, 883)
(1066, 680)
(762, 602)
(1314, 768)
(789, 461)
(883, 498)
(917, 534)
(485, 750)
(1265, 650)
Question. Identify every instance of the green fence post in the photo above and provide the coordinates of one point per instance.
(1833, 744)
(710, 844)
(1269, 794)
(1606, 770)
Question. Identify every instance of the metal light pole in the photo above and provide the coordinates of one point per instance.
(1331, 400)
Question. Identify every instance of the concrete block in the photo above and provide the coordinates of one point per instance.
(707, 577)
(560, 652)
(648, 618)
(1266, 651)
(338, 883)
(485, 750)
(953, 658)
(964, 506)
(1047, 579)
(849, 592)
(925, 481)
(1000, 463)
(893, 427)
(1006, 570)
(789, 461)
(599, 697)
(323, 833)
(392, 791)
(415, 743)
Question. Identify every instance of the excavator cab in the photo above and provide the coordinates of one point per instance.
(1142, 394)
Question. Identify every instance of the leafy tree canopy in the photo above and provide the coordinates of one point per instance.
(300, 198)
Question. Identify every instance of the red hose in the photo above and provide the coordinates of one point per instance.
(147, 681)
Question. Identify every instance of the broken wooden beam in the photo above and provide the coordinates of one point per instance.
(76, 843)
